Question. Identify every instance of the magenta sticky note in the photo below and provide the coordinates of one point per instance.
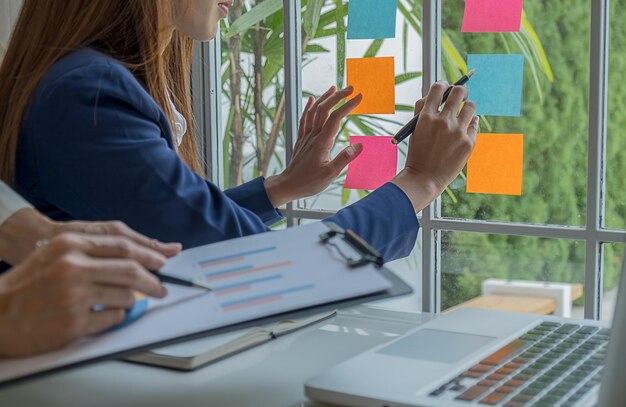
(375, 166)
(492, 16)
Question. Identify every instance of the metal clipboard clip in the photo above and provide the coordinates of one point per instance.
(366, 254)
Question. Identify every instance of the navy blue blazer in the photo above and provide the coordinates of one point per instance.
(95, 145)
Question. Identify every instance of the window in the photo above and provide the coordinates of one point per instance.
(567, 224)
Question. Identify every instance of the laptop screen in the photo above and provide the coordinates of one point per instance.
(612, 390)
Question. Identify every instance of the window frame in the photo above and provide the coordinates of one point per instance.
(207, 107)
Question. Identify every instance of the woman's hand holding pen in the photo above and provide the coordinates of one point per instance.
(440, 146)
(311, 169)
(47, 300)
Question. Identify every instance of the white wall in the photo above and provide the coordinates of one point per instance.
(9, 10)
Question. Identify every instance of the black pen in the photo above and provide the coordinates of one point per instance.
(165, 278)
(409, 128)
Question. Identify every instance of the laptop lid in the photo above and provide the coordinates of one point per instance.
(612, 389)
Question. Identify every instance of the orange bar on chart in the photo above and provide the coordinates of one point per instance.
(496, 164)
(374, 78)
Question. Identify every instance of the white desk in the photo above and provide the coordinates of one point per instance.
(269, 375)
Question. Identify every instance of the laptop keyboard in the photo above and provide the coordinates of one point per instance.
(553, 364)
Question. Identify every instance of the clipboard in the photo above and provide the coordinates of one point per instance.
(187, 318)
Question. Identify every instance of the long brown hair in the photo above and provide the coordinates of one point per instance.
(138, 33)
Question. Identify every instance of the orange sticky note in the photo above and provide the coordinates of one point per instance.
(375, 166)
(495, 166)
(374, 78)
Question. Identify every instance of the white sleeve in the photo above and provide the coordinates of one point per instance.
(10, 202)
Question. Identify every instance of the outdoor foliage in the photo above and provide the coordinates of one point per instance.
(554, 122)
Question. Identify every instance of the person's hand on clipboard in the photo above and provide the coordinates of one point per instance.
(47, 300)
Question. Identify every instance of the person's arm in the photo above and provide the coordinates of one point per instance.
(385, 219)
(438, 150)
(253, 196)
(100, 154)
(47, 300)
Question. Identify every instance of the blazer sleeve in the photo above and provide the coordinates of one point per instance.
(100, 154)
(253, 196)
(385, 219)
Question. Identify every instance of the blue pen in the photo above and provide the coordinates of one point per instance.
(139, 308)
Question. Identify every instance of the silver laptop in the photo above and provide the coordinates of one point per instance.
(474, 357)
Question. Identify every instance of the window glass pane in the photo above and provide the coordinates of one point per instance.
(324, 65)
(252, 94)
(554, 114)
(615, 209)
(613, 257)
(476, 265)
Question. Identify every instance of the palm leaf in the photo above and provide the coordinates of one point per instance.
(250, 18)
(311, 17)
(373, 49)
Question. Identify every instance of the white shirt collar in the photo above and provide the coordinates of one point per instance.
(180, 123)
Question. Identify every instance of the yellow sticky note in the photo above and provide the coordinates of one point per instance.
(496, 164)
(374, 79)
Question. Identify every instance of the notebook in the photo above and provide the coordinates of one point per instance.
(201, 352)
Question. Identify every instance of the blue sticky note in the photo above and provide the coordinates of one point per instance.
(496, 86)
(371, 19)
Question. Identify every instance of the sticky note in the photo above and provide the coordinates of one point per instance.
(374, 78)
(492, 16)
(496, 87)
(375, 166)
(371, 19)
(495, 166)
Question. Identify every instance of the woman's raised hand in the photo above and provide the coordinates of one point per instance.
(440, 145)
(311, 169)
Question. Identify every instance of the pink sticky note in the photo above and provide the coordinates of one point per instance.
(375, 166)
(492, 16)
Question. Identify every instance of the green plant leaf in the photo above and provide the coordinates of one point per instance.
(326, 19)
(345, 196)
(451, 195)
(311, 17)
(341, 42)
(316, 48)
(373, 49)
(250, 18)
(537, 47)
(404, 108)
(410, 18)
(454, 54)
(405, 45)
(531, 63)
(407, 76)
(226, 148)
(271, 69)
(367, 131)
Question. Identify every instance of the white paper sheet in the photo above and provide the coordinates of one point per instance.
(253, 277)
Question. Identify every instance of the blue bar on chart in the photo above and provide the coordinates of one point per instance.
(216, 261)
(371, 19)
(496, 87)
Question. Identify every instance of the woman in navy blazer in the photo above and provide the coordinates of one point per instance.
(95, 141)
